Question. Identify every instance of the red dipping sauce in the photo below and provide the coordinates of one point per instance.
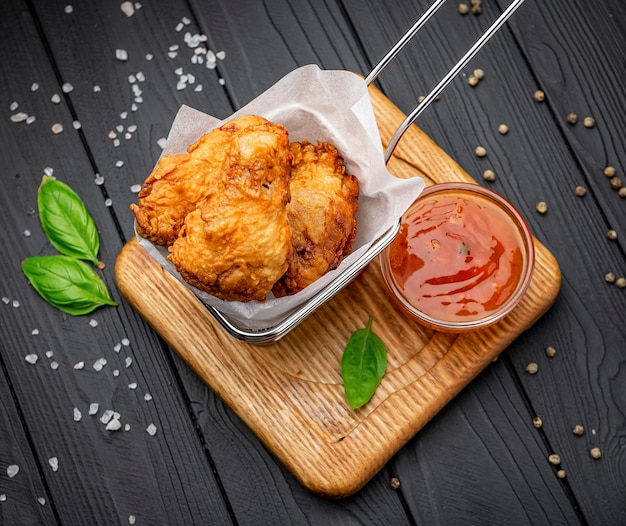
(462, 259)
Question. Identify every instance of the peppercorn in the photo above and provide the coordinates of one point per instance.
(479, 74)
(589, 122)
(472, 80)
(550, 351)
(480, 151)
(612, 235)
(609, 171)
(580, 191)
(610, 277)
(537, 422)
(489, 175)
(622, 192)
(532, 368)
(578, 430)
(621, 282)
(554, 459)
(542, 207)
(503, 129)
(561, 473)
(595, 452)
(539, 96)
(463, 8)
(572, 118)
(616, 183)
(394, 483)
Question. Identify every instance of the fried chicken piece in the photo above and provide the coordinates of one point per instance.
(322, 215)
(236, 242)
(178, 182)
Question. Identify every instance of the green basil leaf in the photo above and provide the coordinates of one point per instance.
(363, 365)
(67, 283)
(66, 221)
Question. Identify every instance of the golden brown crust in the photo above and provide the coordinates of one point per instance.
(322, 215)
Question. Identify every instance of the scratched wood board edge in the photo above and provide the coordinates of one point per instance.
(293, 421)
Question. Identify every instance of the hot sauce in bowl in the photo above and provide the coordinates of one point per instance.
(462, 259)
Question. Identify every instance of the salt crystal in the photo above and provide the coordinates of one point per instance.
(106, 416)
(3, 497)
(99, 179)
(138, 5)
(119, 128)
(172, 54)
(16, 304)
(131, 519)
(121, 54)
(119, 164)
(140, 76)
(31, 358)
(79, 365)
(185, 21)
(178, 71)
(179, 27)
(48, 171)
(128, 136)
(26, 233)
(54, 463)
(210, 65)
(99, 364)
(93, 323)
(77, 125)
(128, 361)
(132, 128)
(127, 8)
(151, 430)
(77, 415)
(116, 372)
(93, 408)
(116, 143)
(55, 98)
(34, 86)
(35, 332)
(19, 117)
(132, 79)
(162, 142)
(221, 55)
(6, 300)
(54, 366)
(31, 119)
(117, 347)
(147, 397)
(57, 128)
(127, 427)
(68, 9)
(13, 470)
(112, 135)
(133, 107)
(132, 385)
(138, 100)
(49, 354)
(14, 105)
(181, 86)
(41, 501)
(174, 47)
(222, 82)
(113, 425)
(123, 115)
(149, 56)
(67, 88)
(108, 202)
(125, 342)
(135, 188)
(190, 78)
(96, 88)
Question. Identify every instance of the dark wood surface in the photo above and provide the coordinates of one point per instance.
(481, 460)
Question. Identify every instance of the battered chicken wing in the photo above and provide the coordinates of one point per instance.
(179, 182)
(324, 201)
(236, 241)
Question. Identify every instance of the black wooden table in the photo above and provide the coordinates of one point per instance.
(484, 458)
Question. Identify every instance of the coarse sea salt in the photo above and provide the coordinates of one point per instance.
(151, 429)
(19, 117)
(57, 128)
(135, 188)
(127, 8)
(12, 470)
(93, 408)
(41, 501)
(34, 86)
(147, 397)
(77, 415)
(54, 463)
(67, 88)
(35, 332)
(27, 233)
(121, 55)
(113, 425)
(54, 366)
(31, 358)
(99, 180)
(79, 365)
(125, 342)
(99, 364)
(56, 99)
(14, 105)
(93, 322)
(106, 416)
(132, 385)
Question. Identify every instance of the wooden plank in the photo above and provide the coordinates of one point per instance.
(531, 164)
(291, 394)
(103, 476)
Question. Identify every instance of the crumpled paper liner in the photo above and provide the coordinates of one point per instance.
(313, 104)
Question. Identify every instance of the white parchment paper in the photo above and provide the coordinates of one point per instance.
(313, 104)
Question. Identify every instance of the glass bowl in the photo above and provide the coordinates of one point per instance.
(462, 260)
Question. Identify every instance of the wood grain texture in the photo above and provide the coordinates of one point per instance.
(291, 395)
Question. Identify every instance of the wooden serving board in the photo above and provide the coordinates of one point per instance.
(290, 393)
